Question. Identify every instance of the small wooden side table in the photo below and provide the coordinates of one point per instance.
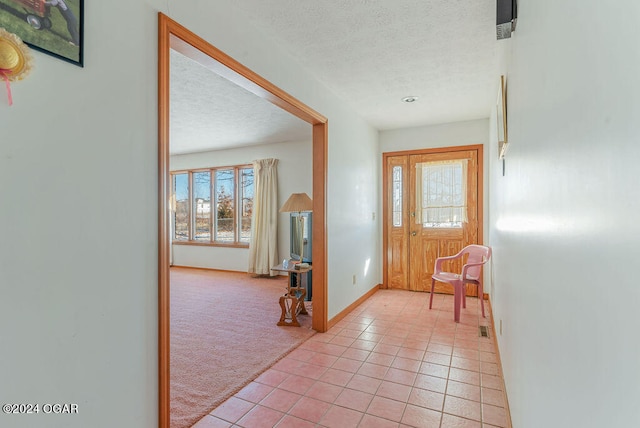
(292, 302)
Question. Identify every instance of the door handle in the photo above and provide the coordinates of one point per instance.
(413, 233)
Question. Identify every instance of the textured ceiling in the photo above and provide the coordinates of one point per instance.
(210, 113)
(370, 53)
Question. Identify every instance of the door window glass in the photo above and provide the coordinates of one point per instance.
(442, 194)
(397, 196)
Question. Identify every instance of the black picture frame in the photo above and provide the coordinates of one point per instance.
(55, 27)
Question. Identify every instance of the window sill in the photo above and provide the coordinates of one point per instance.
(212, 244)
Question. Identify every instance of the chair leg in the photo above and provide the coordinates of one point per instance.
(481, 297)
(457, 297)
(433, 283)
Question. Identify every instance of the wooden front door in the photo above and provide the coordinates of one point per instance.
(432, 209)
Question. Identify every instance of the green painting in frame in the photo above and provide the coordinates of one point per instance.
(54, 27)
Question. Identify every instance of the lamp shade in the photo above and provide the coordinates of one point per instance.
(297, 202)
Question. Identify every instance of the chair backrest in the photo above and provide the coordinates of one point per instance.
(477, 254)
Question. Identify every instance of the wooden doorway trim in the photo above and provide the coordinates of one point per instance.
(386, 196)
(173, 35)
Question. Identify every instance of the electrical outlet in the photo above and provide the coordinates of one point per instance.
(373, 216)
(500, 327)
(354, 279)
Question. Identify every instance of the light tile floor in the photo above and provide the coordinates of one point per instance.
(391, 362)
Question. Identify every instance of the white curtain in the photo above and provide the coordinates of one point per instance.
(441, 192)
(263, 247)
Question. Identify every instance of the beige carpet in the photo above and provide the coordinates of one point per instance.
(223, 334)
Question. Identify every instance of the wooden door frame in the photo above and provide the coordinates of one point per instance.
(173, 35)
(385, 195)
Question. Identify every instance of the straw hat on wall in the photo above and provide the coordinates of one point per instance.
(15, 58)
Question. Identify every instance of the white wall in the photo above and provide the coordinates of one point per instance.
(78, 313)
(78, 270)
(353, 194)
(443, 135)
(563, 225)
(294, 176)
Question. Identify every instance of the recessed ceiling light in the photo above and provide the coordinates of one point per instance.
(410, 99)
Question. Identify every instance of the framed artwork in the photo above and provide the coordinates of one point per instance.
(502, 118)
(54, 27)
